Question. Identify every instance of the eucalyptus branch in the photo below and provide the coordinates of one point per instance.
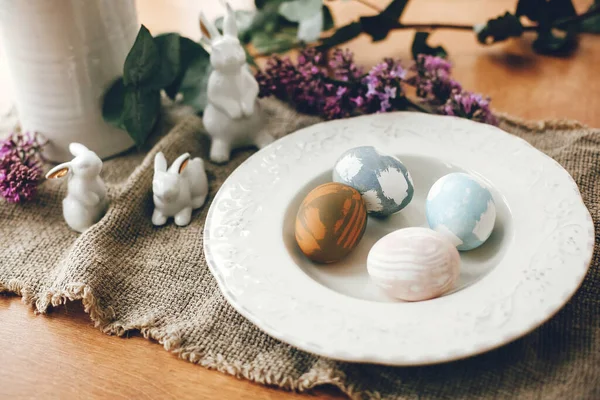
(355, 28)
(580, 18)
(293, 46)
(434, 26)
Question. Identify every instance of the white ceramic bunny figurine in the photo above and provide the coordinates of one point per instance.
(86, 200)
(232, 117)
(178, 190)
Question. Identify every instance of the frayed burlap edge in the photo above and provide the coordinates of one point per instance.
(104, 318)
(540, 126)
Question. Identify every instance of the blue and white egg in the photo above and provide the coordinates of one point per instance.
(462, 208)
(384, 182)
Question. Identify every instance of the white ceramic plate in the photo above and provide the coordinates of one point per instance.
(532, 264)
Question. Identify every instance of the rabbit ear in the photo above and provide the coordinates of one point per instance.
(160, 162)
(208, 29)
(229, 23)
(179, 164)
(77, 149)
(59, 171)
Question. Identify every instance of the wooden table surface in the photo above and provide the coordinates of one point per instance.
(61, 355)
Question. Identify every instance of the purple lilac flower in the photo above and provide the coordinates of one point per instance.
(384, 86)
(343, 67)
(338, 88)
(434, 64)
(345, 102)
(311, 91)
(20, 167)
(469, 105)
(279, 74)
(432, 80)
(302, 84)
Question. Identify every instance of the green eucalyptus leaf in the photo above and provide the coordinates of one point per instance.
(249, 59)
(189, 51)
(395, 9)
(260, 4)
(341, 35)
(499, 29)
(544, 11)
(142, 60)
(591, 24)
(530, 8)
(548, 14)
(420, 46)
(169, 52)
(328, 22)
(243, 19)
(549, 43)
(378, 26)
(140, 112)
(195, 83)
(113, 103)
(300, 10)
(309, 30)
(280, 42)
(267, 19)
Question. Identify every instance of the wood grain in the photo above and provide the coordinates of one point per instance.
(519, 81)
(61, 355)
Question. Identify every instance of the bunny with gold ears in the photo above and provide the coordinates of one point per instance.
(86, 200)
(178, 190)
(232, 117)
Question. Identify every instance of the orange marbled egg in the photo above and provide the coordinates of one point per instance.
(330, 222)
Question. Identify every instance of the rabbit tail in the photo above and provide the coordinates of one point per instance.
(198, 181)
(80, 217)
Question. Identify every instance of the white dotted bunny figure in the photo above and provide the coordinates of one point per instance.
(178, 190)
(232, 117)
(86, 200)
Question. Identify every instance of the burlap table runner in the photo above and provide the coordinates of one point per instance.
(131, 275)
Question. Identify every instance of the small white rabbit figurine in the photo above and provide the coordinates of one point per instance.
(178, 190)
(232, 117)
(86, 200)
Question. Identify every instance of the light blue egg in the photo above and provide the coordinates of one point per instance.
(383, 181)
(462, 208)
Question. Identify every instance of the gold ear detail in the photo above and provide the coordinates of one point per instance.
(204, 30)
(183, 165)
(58, 174)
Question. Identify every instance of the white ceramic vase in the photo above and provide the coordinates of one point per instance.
(62, 55)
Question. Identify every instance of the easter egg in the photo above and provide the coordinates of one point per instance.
(462, 208)
(414, 264)
(330, 222)
(383, 181)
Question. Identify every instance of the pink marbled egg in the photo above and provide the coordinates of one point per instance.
(414, 264)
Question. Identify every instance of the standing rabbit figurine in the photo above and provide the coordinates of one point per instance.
(178, 190)
(86, 200)
(232, 116)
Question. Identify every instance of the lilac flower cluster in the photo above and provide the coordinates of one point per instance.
(338, 88)
(347, 94)
(20, 167)
(308, 86)
(384, 86)
(445, 95)
(303, 84)
(432, 79)
(471, 106)
(343, 67)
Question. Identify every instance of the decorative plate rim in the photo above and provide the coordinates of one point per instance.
(223, 256)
